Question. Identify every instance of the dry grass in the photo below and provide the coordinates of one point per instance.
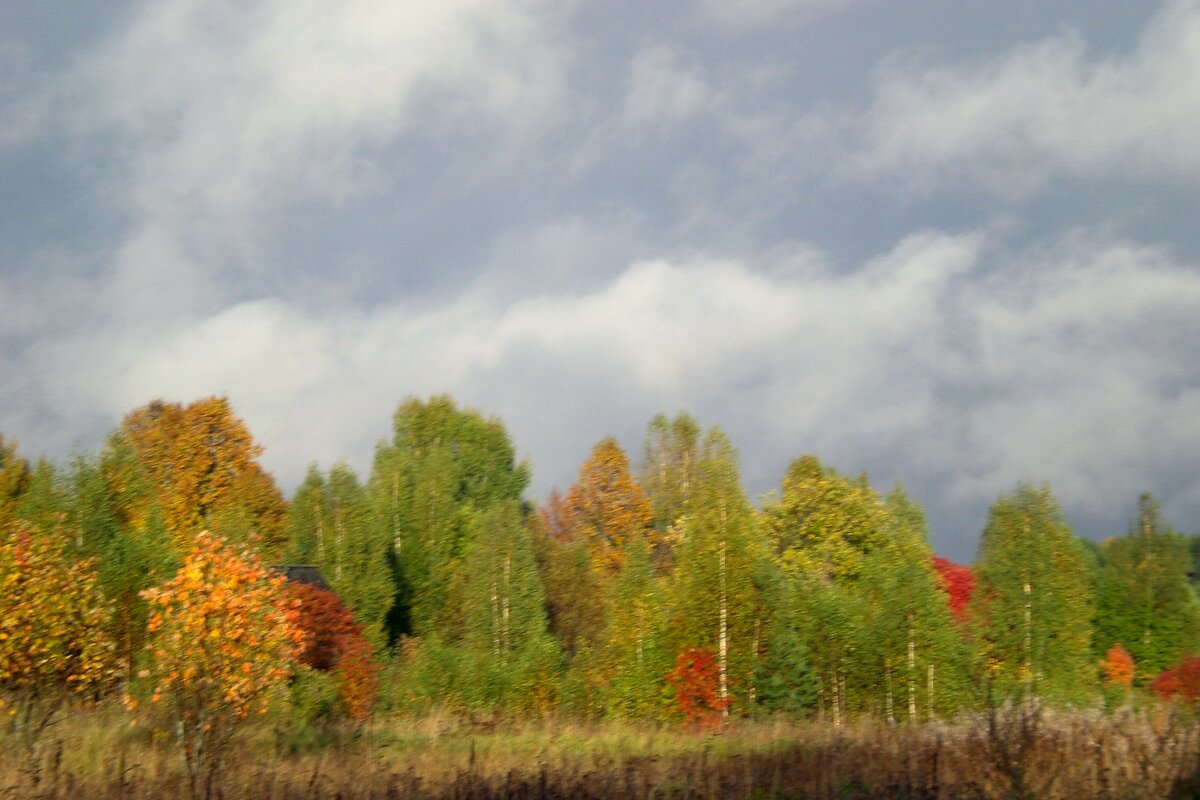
(1015, 753)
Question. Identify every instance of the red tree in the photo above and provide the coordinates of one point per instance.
(1181, 682)
(959, 584)
(694, 680)
(336, 643)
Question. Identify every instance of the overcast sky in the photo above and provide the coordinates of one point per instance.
(951, 244)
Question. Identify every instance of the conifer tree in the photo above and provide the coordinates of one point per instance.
(1033, 603)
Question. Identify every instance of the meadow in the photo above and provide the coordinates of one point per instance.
(1012, 752)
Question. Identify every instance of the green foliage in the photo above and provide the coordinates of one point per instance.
(719, 577)
(784, 681)
(912, 658)
(1143, 599)
(442, 466)
(1033, 604)
(671, 459)
(330, 525)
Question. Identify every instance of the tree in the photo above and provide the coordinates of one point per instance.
(14, 477)
(632, 657)
(1180, 683)
(334, 642)
(53, 628)
(668, 476)
(223, 636)
(717, 582)
(331, 526)
(1143, 598)
(1119, 667)
(958, 582)
(203, 466)
(502, 591)
(441, 467)
(912, 663)
(824, 523)
(696, 682)
(131, 552)
(1033, 603)
(606, 506)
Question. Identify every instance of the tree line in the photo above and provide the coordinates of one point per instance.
(648, 589)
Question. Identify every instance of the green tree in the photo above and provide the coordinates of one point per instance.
(442, 466)
(1143, 599)
(913, 660)
(634, 656)
(1033, 604)
(330, 525)
(718, 578)
(669, 468)
(131, 554)
(505, 617)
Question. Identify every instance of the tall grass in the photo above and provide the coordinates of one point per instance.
(1013, 752)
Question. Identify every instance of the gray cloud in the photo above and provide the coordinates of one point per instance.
(320, 208)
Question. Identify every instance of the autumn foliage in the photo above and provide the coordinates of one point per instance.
(694, 682)
(223, 635)
(1181, 682)
(53, 623)
(335, 642)
(606, 506)
(1119, 667)
(959, 584)
(202, 463)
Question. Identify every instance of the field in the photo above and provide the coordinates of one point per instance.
(1012, 753)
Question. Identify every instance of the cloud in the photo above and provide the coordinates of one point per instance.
(932, 363)
(743, 14)
(214, 121)
(1042, 109)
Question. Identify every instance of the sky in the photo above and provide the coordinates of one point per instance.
(949, 244)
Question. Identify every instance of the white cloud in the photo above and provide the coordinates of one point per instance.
(1044, 108)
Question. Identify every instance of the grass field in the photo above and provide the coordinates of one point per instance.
(1012, 753)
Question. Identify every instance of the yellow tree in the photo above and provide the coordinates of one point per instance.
(53, 629)
(824, 523)
(203, 465)
(14, 477)
(223, 635)
(606, 507)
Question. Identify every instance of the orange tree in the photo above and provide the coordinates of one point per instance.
(53, 623)
(223, 635)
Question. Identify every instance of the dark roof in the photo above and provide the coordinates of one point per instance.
(304, 573)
